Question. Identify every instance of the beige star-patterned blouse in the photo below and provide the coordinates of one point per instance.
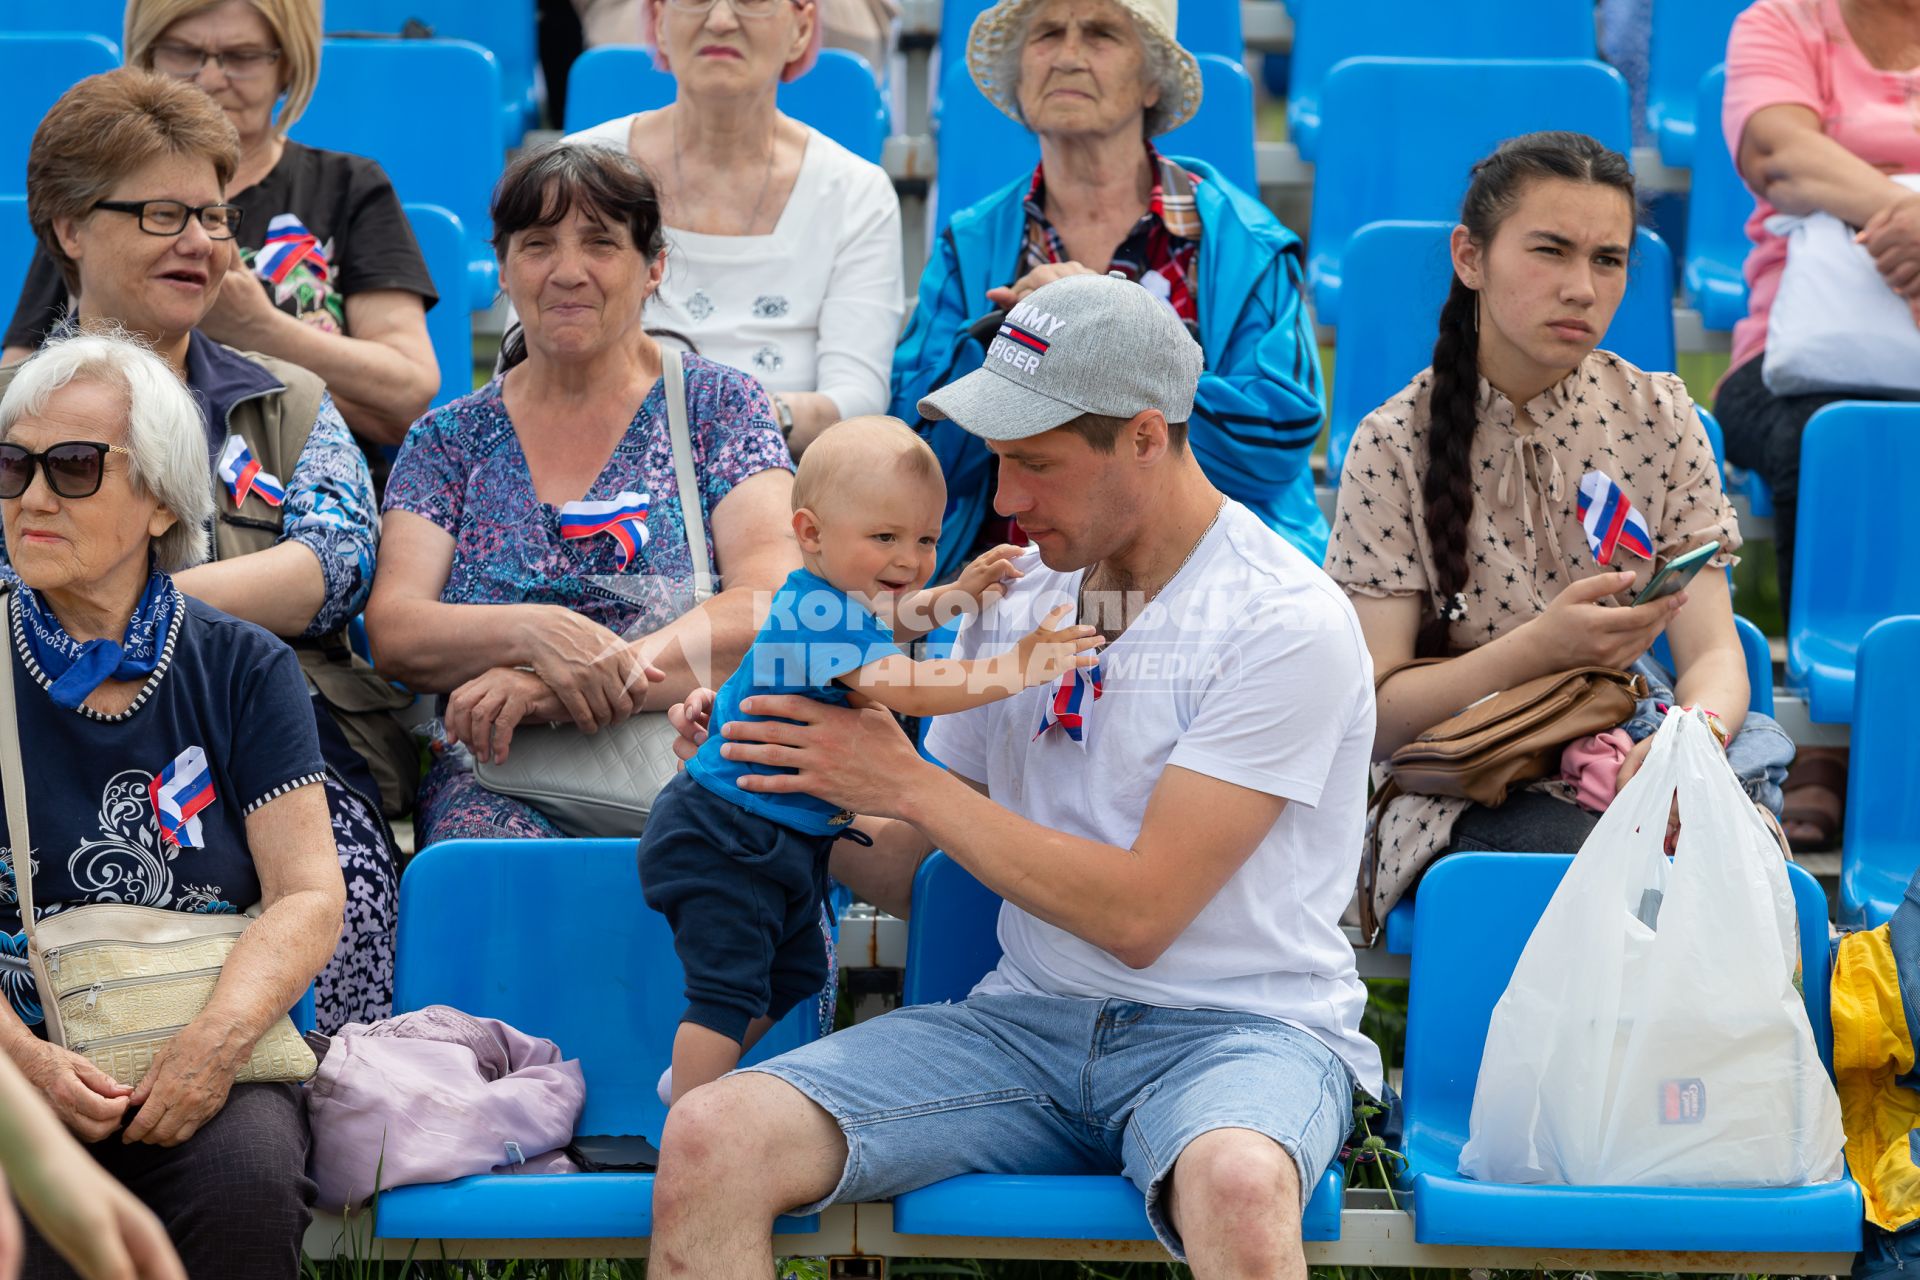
(1526, 540)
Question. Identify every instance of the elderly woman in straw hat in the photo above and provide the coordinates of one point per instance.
(1097, 81)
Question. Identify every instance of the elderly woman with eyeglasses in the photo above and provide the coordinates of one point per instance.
(126, 190)
(343, 290)
(117, 674)
(783, 247)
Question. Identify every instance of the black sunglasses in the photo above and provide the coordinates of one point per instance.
(73, 467)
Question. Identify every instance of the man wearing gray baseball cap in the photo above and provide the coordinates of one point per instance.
(1174, 834)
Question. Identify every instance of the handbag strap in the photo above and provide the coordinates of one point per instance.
(12, 779)
(675, 378)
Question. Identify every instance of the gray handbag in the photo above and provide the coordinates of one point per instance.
(604, 784)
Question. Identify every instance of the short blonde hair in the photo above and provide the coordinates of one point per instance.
(861, 449)
(295, 23)
(106, 127)
(165, 435)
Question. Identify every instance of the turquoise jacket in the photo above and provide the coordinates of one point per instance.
(1258, 411)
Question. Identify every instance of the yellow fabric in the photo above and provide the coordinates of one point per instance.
(1872, 1048)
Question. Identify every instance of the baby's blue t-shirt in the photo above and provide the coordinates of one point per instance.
(814, 634)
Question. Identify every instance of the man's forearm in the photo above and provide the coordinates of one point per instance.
(883, 872)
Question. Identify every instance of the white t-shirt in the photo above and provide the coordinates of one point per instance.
(814, 306)
(1250, 668)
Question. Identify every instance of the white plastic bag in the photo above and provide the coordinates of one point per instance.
(1836, 325)
(1652, 1033)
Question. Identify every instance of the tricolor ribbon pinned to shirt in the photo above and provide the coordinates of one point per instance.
(1070, 704)
(243, 474)
(1611, 519)
(623, 518)
(179, 792)
(289, 244)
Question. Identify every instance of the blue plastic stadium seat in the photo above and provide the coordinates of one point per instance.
(1688, 38)
(1399, 273)
(1882, 845)
(951, 944)
(1402, 134)
(1759, 660)
(1718, 207)
(485, 926)
(443, 243)
(982, 150)
(505, 27)
(1205, 26)
(1326, 34)
(17, 244)
(103, 18)
(1474, 916)
(838, 96)
(416, 81)
(34, 71)
(1848, 572)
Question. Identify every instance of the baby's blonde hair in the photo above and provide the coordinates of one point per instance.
(860, 450)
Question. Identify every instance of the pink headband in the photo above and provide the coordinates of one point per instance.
(649, 36)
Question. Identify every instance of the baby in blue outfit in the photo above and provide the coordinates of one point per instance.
(740, 875)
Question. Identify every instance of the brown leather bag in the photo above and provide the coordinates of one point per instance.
(1503, 741)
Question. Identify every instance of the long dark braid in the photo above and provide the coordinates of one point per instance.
(1453, 399)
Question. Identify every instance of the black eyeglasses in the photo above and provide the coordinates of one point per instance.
(184, 61)
(73, 467)
(169, 217)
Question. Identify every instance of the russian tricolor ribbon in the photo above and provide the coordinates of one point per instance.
(1069, 705)
(242, 472)
(179, 792)
(622, 518)
(289, 244)
(1610, 519)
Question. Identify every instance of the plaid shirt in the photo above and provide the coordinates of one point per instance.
(1162, 252)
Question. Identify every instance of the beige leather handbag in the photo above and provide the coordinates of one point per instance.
(117, 982)
(604, 784)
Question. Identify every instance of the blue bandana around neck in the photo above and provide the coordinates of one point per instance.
(78, 669)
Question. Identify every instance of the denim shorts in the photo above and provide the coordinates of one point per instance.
(1011, 1083)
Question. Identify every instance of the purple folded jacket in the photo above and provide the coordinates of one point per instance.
(437, 1095)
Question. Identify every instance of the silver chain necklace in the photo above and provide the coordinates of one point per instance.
(1080, 604)
(766, 179)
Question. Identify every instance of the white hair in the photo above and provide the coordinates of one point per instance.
(165, 434)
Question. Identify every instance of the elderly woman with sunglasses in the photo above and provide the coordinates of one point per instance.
(343, 291)
(783, 247)
(126, 190)
(118, 674)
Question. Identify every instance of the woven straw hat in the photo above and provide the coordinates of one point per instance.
(993, 56)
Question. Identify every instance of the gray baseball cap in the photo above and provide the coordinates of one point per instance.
(1082, 344)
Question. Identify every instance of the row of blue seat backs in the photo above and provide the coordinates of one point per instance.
(1397, 275)
(1759, 661)
(1475, 914)
(837, 96)
(89, 17)
(981, 149)
(451, 167)
(1205, 26)
(553, 937)
(17, 244)
(506, 27)
(1882, 845)
(1324, 35)
(34, 71)
(952, 943)
(443, 243)
(1402, 134)
(1718, 206)
(1859, 467)
(1687, 39)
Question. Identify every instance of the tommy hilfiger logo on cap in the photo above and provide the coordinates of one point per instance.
(1025, 337)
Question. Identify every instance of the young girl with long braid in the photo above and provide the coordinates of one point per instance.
(1460, 530)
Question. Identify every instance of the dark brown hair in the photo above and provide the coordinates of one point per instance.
(1103, 433)
(1498, 182)
(104, 128)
